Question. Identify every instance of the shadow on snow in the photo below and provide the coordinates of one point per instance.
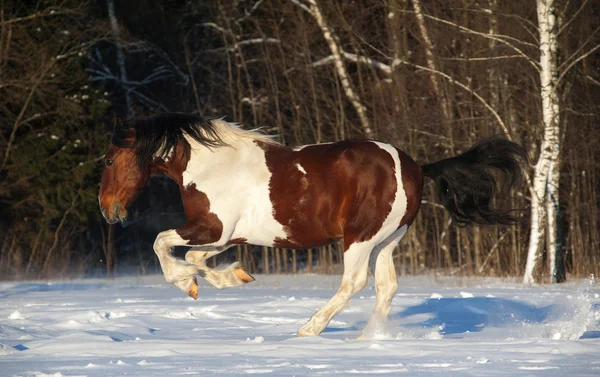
(461, 315)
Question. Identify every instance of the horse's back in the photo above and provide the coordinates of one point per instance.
(350, 189)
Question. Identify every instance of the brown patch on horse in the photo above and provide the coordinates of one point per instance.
(412, 182)
(202, 225)
(350, 200)
(237, 241)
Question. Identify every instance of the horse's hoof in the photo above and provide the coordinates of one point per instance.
(243, 275)
(193, 290)
(301, 333)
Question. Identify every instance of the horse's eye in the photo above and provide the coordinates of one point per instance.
(109, 162)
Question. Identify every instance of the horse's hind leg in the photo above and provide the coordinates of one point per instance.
(356, 267)
(386, 282)
(224, 276)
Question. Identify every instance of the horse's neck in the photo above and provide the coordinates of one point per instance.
(205, 164)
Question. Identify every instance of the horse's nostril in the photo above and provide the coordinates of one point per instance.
(117, 209)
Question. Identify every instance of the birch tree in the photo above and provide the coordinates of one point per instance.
(544, 185)
(431, 64)
(544, 181)
(336, 52)
(546, 176)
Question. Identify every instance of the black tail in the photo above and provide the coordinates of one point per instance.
(466, 185)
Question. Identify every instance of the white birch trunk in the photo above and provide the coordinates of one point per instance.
(494, 98)
(114, 27)
(336, 51)
(429, 57)
(552, 216)
(546, 174)
(538, 221)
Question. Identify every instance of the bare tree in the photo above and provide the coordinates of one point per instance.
(114, 27)
(340, 68)
(545, 209)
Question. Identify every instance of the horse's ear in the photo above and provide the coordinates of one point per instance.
(118, 122)
(122, 135)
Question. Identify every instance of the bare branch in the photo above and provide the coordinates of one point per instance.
(51, 13)
(58, 229)
(212, 25)
(491, 253)
(302, 6)
(568, 68)
(564, 26)
(249, 13)
(247, 42)
(18, 121)
(336, 51)
(496, 37)
(578, 51)
(485, 59)
(387, 69)
(429, 56)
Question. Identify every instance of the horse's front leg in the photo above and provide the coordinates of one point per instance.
(224, 276)
(181, 273)
(176, 271)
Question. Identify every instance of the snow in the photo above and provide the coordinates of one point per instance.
(144, 326)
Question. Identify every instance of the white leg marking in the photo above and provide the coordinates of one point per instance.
(224, 276)
(356, 263)
(176, 271)
(200, 255)
(386, 282)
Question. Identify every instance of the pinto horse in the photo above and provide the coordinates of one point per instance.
(240, 186)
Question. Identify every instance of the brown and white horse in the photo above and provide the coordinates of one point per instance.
(240, 186)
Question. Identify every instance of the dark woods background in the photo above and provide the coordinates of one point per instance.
(431, 82)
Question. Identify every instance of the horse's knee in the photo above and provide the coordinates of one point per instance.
(346, 290)
(360, 282)
(393, 288)
(386, 290)
(349, 288)
(160, 244)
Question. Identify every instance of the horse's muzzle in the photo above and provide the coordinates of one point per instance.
(115, 214)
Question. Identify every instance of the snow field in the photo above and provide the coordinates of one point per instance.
(145, 327)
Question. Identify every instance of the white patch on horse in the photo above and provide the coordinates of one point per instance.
(301, 168)
(392, 221)
(236, 182)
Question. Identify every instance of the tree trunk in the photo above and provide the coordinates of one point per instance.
(340, 68)
(265, 260)
(431, 64)
(546, 175)
(114, 27)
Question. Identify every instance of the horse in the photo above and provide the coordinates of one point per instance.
(241, 186)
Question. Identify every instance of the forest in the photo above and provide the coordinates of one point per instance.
(431, 77)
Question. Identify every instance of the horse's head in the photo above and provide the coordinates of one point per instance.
(122, 177)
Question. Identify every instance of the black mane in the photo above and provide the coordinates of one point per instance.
(157, 136)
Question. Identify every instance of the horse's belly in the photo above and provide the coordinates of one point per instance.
(258, 227)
